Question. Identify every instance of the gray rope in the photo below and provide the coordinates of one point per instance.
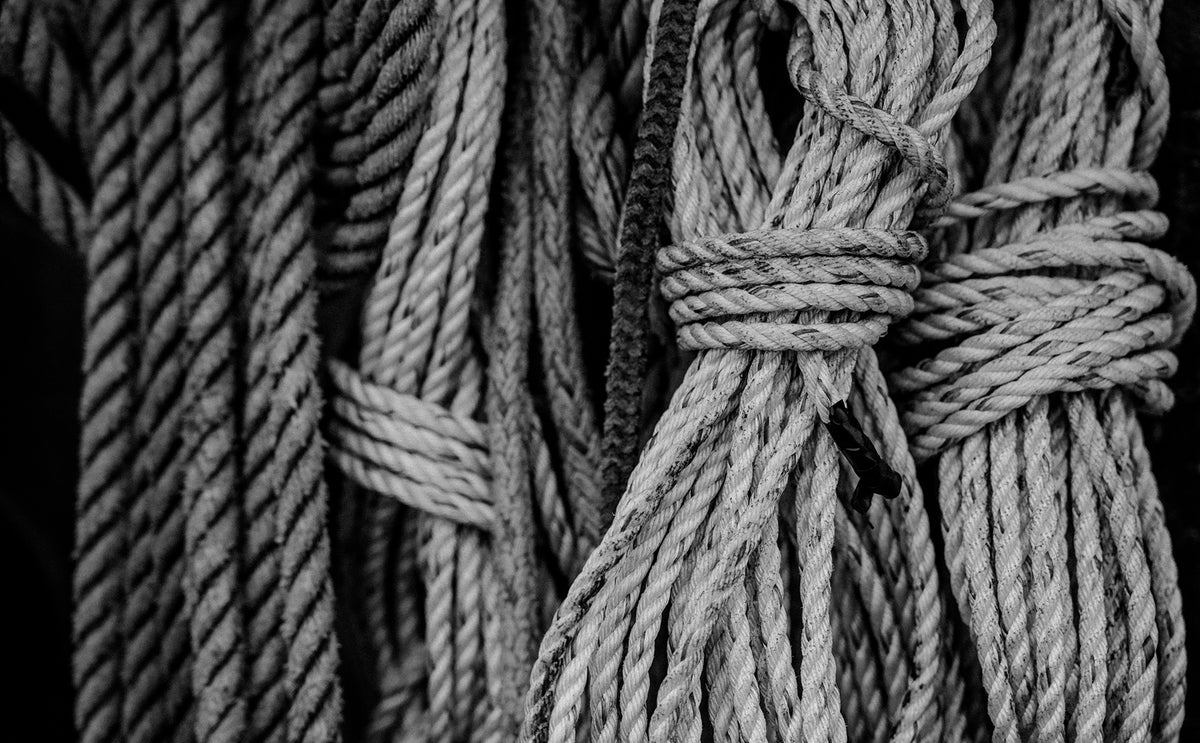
(284, 460)
(1066, 581)
(210, 432)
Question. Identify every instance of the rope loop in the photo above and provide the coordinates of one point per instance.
(1081, 307)
(915, 147)
(410, 449)
(760, 289)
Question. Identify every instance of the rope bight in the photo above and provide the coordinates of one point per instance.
(1039, 342)
(783, 318)
(493, 559)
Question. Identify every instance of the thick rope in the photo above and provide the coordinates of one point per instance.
(210, 427)
(692, 543)
(1055, 321)
(290, 633)
(107, 405)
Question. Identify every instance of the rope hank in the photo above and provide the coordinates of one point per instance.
(731, 514)
(1038, 342)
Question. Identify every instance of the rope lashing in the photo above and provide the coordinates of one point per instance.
(1018, 322)
(773, 277)
(403, 427)
(700, 553)
(415, 451)
(721, 288)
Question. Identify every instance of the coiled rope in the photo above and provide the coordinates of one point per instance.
(184, 627)
(1049, 330)
(404, 424)
(783, 319)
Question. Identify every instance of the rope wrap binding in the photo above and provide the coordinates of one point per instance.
(708, 551)
(1022, 321)
(743, 291)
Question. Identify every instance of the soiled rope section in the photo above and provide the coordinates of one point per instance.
(781, 318)
(1049, 329)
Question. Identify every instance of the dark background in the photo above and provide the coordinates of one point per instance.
(41, 292)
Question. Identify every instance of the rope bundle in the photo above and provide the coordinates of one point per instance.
(1052, 325)
(713, 510)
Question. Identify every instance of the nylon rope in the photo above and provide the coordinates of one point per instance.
(1052, 326)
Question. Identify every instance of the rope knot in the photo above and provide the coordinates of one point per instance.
(1080, 307)
(410, 449)
(821, 290)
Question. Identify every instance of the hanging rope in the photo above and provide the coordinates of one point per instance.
(1052, 326)
(779, 318)
(404, 424)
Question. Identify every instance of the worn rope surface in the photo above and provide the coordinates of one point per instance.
(1051, 327)
(781, 317)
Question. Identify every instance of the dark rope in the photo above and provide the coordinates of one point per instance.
(646, 205)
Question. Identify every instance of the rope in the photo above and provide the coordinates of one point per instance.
(403, 424)
(155, 634)
(506, 570)
(1054, 322)
(691, 549)
(379, 66)
(40, 143)
(210, 419)
(290, 634)
(648, 194)
(107, 404)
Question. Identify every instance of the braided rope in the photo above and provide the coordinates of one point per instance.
(692, 519)
(559, 346)
(31, 171)
(1065, 579)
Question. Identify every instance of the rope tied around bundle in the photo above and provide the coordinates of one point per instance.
(1080, 307)
(721, 554)
(1047, 321)
(755, 291)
